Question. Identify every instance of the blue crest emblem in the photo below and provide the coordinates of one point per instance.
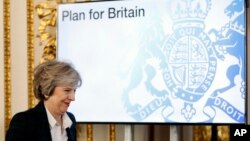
(189, 73)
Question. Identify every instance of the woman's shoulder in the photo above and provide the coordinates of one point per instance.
(24, 115)
(71, 116)
(29, 114)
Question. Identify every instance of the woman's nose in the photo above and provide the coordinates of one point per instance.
(72, 96)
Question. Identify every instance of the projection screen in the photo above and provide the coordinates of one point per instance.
(164, 61)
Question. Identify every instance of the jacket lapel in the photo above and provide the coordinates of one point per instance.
(69, 134)
(42, 123)
(71, 131)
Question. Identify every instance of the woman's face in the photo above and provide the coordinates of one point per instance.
(60, 100)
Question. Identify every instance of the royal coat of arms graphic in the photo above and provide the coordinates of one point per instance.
(195, 72)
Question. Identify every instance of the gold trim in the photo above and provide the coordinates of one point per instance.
(112, 132)
(89, 132)
(202, 133)
(79, 130)
(223, 133)
(46, 12)
(30, 51)
(7, 63)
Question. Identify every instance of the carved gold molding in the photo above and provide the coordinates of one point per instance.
(112, 132)
(30, 51)
(7, 65)
(204, 133)
(223, 133)
(89, 132)
(46, 12)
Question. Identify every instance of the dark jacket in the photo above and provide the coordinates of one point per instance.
(33, 125)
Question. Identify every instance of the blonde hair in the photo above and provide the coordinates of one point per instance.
(50, 74)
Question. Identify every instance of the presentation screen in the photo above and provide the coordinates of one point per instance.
(164, 61)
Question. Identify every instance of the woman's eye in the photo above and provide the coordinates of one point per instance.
(67, 90)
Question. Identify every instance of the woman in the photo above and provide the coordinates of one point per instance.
(55, 83)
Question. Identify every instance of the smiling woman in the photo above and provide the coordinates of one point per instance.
(55, 83)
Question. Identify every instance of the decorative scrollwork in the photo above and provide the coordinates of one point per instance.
(47, 14)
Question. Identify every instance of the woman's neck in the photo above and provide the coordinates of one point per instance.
(58, 117)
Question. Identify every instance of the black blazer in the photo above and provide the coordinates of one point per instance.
(33, 125)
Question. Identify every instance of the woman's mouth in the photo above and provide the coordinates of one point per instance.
(66, 103)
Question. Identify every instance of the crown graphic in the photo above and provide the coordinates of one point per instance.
(189, 12)
(239, 28)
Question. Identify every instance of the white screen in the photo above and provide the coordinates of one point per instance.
(159, 61)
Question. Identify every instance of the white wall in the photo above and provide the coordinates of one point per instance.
(18, 60)
(18, 55)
